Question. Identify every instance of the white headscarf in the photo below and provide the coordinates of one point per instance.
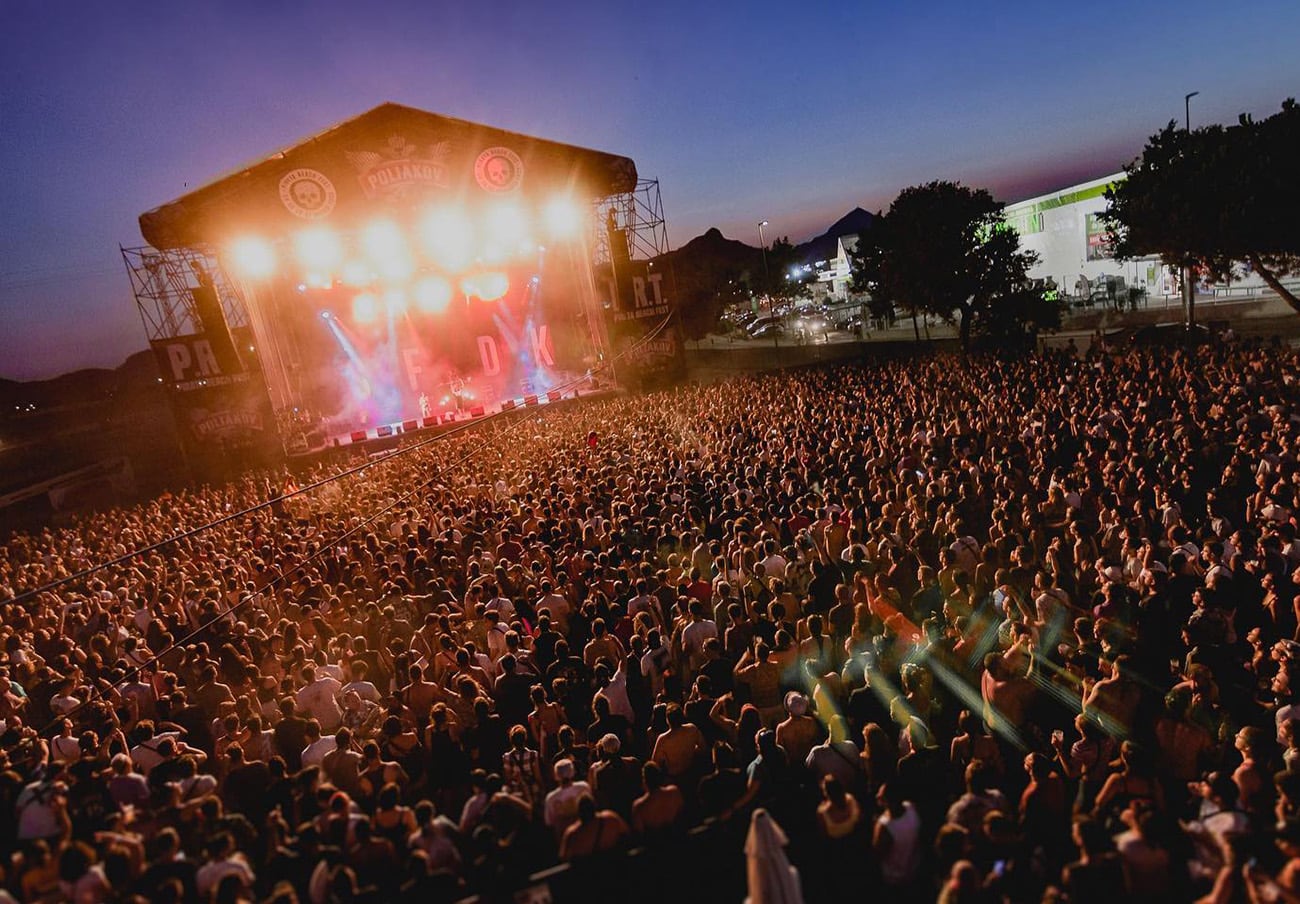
(771, 878)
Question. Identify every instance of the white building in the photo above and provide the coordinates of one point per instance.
(834, 275)
(1065, 229)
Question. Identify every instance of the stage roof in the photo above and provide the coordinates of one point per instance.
(389, 158)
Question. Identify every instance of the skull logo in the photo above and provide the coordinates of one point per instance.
(307, 193)
(499, 171)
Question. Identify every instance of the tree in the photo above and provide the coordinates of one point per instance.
(944, 249)
(704, 293)
(1215, 198)
(783, 278)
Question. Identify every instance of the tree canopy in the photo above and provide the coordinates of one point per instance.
(943, 248)
(1218, 199)
(779, 278)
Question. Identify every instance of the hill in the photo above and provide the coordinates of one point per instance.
(824, 246)
(713, 271)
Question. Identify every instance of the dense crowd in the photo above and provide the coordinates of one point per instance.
(967, 631)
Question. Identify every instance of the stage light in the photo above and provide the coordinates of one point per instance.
(487, 286)
(506, 225)
(563, 218)
(253, 258)
(432, 294)
(365, 308)
(385, 245)
(447, 236)
(319, 249)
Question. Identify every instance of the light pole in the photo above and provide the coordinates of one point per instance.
(1189, 291)
(771, 309)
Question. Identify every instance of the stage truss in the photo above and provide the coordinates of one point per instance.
(162, 283)
(639, 216)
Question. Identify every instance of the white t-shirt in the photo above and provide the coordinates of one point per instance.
(365, 690)
(561, 808)
(773, 566)
(503, 607)
(145, 755)
(904, 857)
(314, 753)
(694, 636)
(559, 607)
(320, 699)
(211, 874)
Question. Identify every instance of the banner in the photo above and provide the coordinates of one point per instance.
(223, 415)
(639, 299)
(1098, 238)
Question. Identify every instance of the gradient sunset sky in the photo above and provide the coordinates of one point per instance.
(790, 112)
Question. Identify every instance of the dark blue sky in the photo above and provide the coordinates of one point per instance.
(791, 112)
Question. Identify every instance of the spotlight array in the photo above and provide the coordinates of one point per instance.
(447, 239)
(396, 266)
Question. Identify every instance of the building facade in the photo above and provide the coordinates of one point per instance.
(1065, 229)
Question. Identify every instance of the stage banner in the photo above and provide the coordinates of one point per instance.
(223, 414)
(640, 297)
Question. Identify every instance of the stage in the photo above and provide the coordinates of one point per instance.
(400, 271)
(455, 418)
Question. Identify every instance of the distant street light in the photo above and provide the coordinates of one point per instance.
(771, 307)
(1189, 291)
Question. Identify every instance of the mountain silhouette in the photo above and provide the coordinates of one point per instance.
(825, 246)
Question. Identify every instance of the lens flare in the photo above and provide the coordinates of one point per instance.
(432, 294)
(563, 218)
(505, 226)
(447, 237)
(488, 286)
(252, 257)
(319, 249)
(386, 247)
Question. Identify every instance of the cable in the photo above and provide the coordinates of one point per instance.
(185, 535)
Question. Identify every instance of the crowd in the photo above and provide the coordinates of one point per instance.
(966, 630)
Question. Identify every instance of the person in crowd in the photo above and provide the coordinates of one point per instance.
(1034, 616)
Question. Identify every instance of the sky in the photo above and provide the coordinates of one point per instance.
(745, 111)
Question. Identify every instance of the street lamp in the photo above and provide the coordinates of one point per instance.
(1189, 291)
(767, 289)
